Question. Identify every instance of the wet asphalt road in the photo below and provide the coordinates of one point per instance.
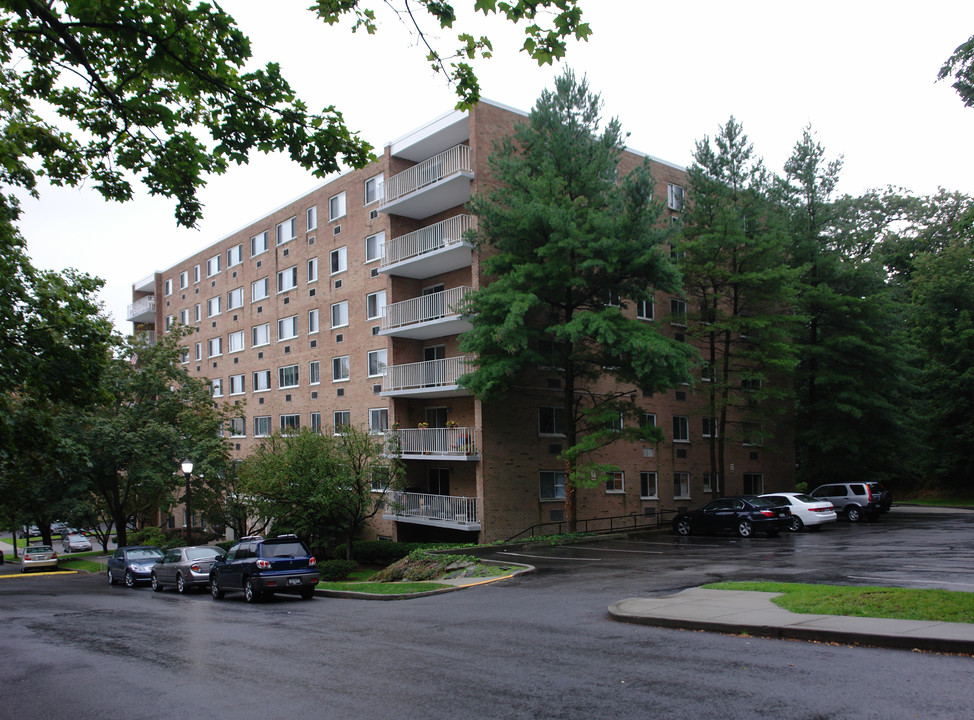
(537, 646)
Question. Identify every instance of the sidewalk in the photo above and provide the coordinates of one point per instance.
(741, 611)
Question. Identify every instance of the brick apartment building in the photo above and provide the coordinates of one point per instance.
(338, 308)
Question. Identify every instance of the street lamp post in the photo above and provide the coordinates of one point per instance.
(187, 468)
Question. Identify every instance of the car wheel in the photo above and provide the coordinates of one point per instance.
(129, 579)
(111, 578)
(156, 585)
(796, 524)
(181, 584)
(215, 590)
(251, 594)
(307, 592)
(853, 513)
(744, 528)
(682, 527)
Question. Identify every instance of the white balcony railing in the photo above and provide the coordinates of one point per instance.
(443, 234)
(442, 510)
(431, 170)
(427, 374)
(142, 309)
(427, 308)
(443, 442)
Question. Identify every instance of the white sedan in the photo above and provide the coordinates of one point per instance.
(806, 511)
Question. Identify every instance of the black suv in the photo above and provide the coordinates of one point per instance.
(856, 500)
(256, 567)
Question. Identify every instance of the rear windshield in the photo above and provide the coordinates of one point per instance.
(288, 548)
(806, 498)
(762, 502)
(200, 553)
(40, 549)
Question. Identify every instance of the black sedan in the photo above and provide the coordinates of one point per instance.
(133, 564)
(743, 514)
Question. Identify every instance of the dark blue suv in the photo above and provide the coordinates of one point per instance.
(256, 567)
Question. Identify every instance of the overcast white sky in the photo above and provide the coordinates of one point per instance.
(862, 73)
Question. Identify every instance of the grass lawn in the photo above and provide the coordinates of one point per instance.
(875, 602)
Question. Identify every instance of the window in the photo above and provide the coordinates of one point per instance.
(336, 206)
(196, 273)
(235, 341)
(262, 381)
(645, 309)
(377, 363)
(287, 328)
(708, 427)
(213, 266)
(342, 419)
(378, 420)
(752, 433)
(290, 423)
(213, 306)
(615, 482)
(237, 384)
(616, 422)
(647, 485)
(258, 289)
(235, 299)
(287, 279)
(681, 486)
(647, 420)
(184, 280)
(707, 371)
(339, 314)
(260, 335)
(184, 356)
(551, 421)
(753, 483)
(681, 428)
(316, 422)
(235, 255)
(751, 384)
(238, 427)
(312, 269)
(678, 311)
(314, 373)
(199, 351)
(214, 347)
(216, 384)
(339, 260)
(312, 217)
(287, 230)
(262, 426)
(197, 312)
(287, 376)
(374, 304)
(374, 187)
(258, 245)
(167, 288)
(551, 484)
(184, 316)
(312, 321)
(612, 298)
(170, 319)
(708, 483)
(674, 197)
(375, 247)
(339, 368)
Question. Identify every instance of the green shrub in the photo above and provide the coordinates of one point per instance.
(378, 552)
(334, 570)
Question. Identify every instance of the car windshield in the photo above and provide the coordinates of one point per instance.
(144, 553)
(284, 549)
(201, 553)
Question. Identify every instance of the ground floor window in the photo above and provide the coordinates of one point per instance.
(647, 485)
(753, 483)
(681, 486)
(708, 483)
(615, 482)
(552, 485)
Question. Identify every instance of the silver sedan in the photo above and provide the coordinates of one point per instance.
(185, 568)
(38, 556)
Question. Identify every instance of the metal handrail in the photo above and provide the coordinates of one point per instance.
(625, 522)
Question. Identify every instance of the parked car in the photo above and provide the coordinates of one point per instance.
(59, 527)
(856, 500)
(185, 568)
(133, 564)
(75, 542)
(743, 514)
(258, 567)
(806, 511)
(38, 556)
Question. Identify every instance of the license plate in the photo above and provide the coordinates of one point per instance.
(294, 581)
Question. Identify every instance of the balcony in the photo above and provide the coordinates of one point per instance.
(434, 185)
(142, 310)
(449, 443)
(434, 315)
(429, 251)
(438, 510)
(427, 379)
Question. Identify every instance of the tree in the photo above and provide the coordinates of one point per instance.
(568, 242)
(103, 91)
(739, 287)
(321, 486)
(960, 67)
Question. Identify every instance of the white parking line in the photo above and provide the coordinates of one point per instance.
(598, 549)
(549, 557)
